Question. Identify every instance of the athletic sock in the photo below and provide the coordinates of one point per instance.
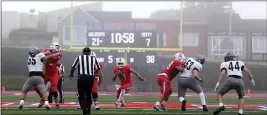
(158, 103)
(21, 102)
(181, 99)
(121, 94)
(240, 111)
(220, 104)
(202, 98)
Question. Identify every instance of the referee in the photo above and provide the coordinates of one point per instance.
(86, 66)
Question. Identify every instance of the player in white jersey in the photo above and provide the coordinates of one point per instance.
(35, 66)
(233, 68)
(189, 80)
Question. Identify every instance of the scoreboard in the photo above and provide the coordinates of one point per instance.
(123, 35)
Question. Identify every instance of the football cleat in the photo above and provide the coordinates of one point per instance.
(20, 106)
(163, 107)
(157, 108)
(47, 107)
(183, 105)
(218, 110)
(41, 103)
(57, 107)
(205, 108)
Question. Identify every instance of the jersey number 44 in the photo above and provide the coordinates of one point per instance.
(234, 66)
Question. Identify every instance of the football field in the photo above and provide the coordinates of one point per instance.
(137, 103)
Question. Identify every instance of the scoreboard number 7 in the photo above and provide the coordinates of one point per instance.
(147, 41)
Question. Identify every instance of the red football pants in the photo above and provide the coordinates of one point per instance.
(125, 86)
(165, 87)
(95, 87)
(53, 78)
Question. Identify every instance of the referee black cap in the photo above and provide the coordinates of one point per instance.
(86, 51)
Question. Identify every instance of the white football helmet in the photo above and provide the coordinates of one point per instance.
(93, 54)
(55, 46)
(179, 56)
(120, 62)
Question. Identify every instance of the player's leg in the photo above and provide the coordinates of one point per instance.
(60, 90)
(195, 86)
(226, 87)
(47, 89)
(160, 81)
(37, 91)
(122, 89)
(41, 87)
(95, 95)
(166, 92)
(88, 99)
(25, 89)
(240, 89)
(81, 96)
(182, 87)
(50, 97)
(54, 92)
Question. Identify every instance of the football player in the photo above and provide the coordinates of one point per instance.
(124, 73)
(164, 80)
(35, 66)
(96, 84)
(189, 80)
(51, 71)
(233, 69)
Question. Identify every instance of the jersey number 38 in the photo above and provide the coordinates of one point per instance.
(31, 61)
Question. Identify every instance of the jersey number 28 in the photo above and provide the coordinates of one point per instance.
(235, 66)
(188, 64)
(31, 61)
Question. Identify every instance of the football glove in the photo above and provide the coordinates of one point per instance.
(216, 87)
(252, 82)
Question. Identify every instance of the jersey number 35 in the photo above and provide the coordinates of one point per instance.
(31, 61)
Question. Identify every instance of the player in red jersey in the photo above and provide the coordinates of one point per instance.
(164, 80)
(51, 70)
(124, 73)
(96, 84)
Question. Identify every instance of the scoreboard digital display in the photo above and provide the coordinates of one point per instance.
(123, 35)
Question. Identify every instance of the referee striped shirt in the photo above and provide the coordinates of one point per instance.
(86, 65)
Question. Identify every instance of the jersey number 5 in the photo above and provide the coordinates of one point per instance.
(31, 61)
(236, 66)
(188, 64)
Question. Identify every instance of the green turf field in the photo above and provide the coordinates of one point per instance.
(129, 99)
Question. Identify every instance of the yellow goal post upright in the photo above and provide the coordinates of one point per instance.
(126, 49)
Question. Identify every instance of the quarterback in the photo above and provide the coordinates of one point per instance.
(124, 73)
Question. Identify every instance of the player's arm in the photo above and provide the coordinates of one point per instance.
(179, 67)
(221, 76)
(136, 74)
(114, 75)
(45, 58)
(196, 74)
(98, 68)
(243, 68)
(62, 71)
(73, 67)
